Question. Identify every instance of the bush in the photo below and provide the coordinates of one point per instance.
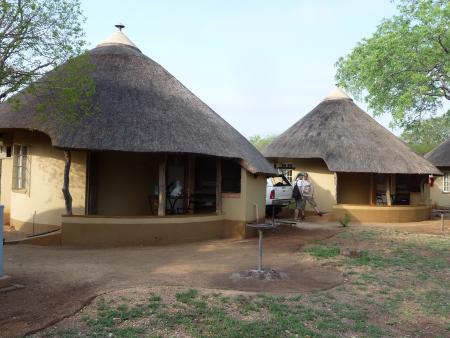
(345, 220)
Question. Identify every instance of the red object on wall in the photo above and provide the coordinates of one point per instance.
(431, 180)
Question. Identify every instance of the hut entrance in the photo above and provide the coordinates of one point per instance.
(128, 184)
(380, 189)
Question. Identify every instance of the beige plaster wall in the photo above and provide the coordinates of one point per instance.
(437, 194)
(256, 194)
(5, 188)
(383, 214)
(122, 231)
(353, 188)
(125, 180)
(42, 204)
(241, 207)
(323, 180)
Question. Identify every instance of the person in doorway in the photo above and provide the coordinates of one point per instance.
(297, 195)
(307, 192)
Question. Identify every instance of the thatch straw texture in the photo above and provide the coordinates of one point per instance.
(142, 108)
(348, 140)
(440, 156)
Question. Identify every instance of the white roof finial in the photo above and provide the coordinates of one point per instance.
(337, 94)
(118, 38)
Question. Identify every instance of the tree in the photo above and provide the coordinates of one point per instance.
(261, 142)
(426, 135)
(404, 67)
(41, 44)
(35, 37)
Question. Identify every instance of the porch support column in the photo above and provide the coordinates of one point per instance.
(218, 186)
(388, 190)
(371, 189)
(162, 186)
(190, 182)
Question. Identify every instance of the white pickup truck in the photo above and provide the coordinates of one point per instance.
(278, 194)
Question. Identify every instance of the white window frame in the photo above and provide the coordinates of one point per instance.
(446, 182)
(20, 167)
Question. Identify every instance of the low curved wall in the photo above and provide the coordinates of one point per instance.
(152, 230)
(382, 214)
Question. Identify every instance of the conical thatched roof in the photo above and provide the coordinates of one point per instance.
(142, 108)
(440, 156)
(348, 140)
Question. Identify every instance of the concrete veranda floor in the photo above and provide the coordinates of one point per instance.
(60, 280)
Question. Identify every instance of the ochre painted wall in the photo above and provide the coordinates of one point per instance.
(438, 196)
(322, 179)
(241, 207)
(5, 187)
(125, 180)
(42, 204)
(123, 231)
(383, 214)
(353, 188)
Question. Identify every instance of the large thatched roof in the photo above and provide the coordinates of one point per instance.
(440, 156)
(141, 108)
(348, 140)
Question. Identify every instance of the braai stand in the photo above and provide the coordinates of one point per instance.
(260, 228)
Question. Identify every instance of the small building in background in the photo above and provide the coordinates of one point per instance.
(440, 190)
(355, 164)
(152, 164)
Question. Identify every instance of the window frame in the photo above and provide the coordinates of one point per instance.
(20, 172)
(446, 182)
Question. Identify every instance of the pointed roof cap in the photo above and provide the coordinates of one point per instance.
(118, 37)
(337, 94)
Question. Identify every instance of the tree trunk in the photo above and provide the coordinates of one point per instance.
(65, 189)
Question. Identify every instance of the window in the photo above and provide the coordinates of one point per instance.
(20, 159)
(5, 151)
(285, 169)
(231, 177)
(287, 173)
(446, 182)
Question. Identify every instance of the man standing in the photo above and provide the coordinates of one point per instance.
(307, 193)
(297, 196)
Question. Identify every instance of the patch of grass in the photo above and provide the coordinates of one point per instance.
(437, 302)
(187, 297)
(323, 251)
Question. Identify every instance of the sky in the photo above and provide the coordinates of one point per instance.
(261, 65)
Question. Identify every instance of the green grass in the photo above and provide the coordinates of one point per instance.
(398, 279)
(323, 251)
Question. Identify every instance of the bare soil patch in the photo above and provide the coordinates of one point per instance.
(59, 280)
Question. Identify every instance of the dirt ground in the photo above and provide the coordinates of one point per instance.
(60, 280)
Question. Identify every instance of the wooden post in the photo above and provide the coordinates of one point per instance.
(218, 186)
(162, 187)
(66, 184)
(190, 182)
(371, 189)
(388, 190)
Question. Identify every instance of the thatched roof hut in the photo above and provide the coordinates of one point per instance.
(440, 156)
(348, 140)
(141, 108)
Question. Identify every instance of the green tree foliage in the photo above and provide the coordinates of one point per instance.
(41, 44)
(261, 142)
(404, 67)
(36, 36)
(428, 134)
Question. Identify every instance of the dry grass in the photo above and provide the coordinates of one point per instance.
(398, 287)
